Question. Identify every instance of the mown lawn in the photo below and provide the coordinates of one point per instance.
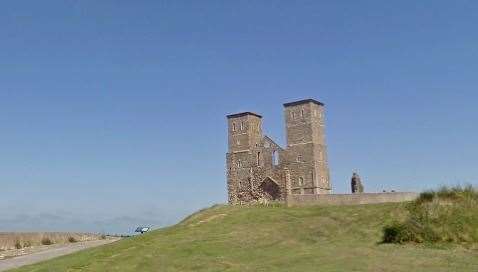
(271, 239)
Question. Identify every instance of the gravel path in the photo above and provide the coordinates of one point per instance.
(50, 253)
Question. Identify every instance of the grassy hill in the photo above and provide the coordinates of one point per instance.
(276, 238)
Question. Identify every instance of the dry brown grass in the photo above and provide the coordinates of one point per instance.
(12, 240)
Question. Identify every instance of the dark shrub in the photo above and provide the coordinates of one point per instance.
(18, 245)
(72, 239)
(426, 196)
(46, 241)
(397, 233)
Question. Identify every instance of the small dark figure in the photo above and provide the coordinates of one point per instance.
(356, 183)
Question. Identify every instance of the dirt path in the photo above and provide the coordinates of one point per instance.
(50, 253)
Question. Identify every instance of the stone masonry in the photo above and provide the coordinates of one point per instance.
(259, 169)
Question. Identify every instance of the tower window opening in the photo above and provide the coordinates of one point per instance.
(275, 158)
(242, 126)
(234, 127)
(299, 158)
(301, 181)
(258, 158)
(302, 112)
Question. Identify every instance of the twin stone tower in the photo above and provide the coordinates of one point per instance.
(259, 169)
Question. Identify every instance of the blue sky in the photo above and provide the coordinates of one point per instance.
(112, 113)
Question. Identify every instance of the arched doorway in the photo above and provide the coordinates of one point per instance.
(270, 189)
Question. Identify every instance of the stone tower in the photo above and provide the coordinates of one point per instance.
(306, 151)
(245, 136)
(259, 169)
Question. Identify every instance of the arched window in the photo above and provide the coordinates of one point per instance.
(233, 126)
(301, 181)
(275, 158)
(242, 125)
(258, 158)
(299, 158)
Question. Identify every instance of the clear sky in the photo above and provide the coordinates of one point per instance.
(112, 113)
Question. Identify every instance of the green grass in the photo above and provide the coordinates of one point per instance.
(271, 239)
(449, 215)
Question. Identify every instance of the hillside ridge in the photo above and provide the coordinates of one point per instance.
(273, 238)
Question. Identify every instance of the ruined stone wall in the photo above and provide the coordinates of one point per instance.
(349, 199)
(245, 180)
(251, 172)
(257, 168)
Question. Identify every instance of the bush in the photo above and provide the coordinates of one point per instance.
(395, 233)
(18, 245)
(103, 236)
(426, 197)
(46, 241)
(446, 215)
(72, 239)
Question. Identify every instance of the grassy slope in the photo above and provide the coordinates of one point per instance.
(270, 239)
